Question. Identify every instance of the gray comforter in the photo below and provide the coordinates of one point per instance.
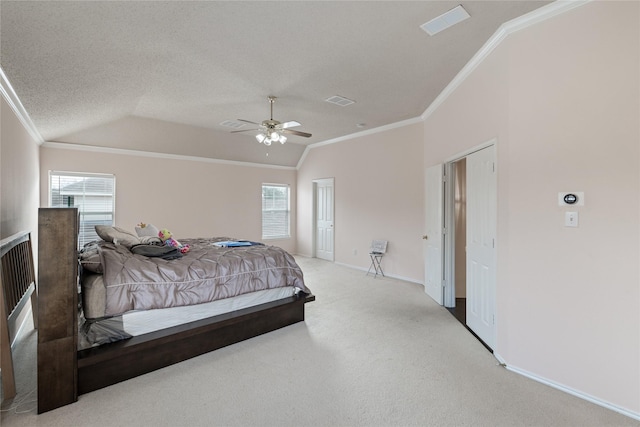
(206, 273)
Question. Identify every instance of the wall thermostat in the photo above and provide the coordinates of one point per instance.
(573, 198)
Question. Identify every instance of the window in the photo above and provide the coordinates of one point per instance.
(92, 194)
(275, 211)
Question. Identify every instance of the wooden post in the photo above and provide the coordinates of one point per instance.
(57, 307)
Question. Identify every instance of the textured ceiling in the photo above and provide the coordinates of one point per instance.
(162, 76)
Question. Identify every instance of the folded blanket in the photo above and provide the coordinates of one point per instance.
(161, 251)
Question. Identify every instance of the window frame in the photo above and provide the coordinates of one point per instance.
(84, 236)
(273, 236)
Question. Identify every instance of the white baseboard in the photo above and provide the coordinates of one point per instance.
(25, 316)
(391, 276)
(569, 390)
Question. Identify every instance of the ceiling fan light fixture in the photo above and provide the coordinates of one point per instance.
(272, 130)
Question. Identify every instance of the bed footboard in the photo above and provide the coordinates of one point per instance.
(112, 363)
(18, 287)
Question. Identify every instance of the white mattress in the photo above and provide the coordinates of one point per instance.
(142, 322)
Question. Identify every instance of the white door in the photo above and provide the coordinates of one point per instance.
(481, 239)
(433, 237)
(324, 219)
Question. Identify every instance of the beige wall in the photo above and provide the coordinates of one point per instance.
(191, 198)
(562, 99)
(378, 195)
(19, 176)
(19, 185)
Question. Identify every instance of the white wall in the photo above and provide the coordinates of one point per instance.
(19, 176)
(19, 186)
(562, 98)
(189, 197)
(378, 195)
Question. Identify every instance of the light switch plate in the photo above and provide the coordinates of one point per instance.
(571, 219)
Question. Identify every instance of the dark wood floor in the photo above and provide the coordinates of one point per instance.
(460, 313)
(460, 310)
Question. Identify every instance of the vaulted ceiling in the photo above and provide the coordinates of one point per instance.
(164, 76)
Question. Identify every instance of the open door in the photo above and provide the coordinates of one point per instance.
(433, 237)
(324, 235)
(481, 242)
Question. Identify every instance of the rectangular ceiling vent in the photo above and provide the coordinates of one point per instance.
(446, 20)
(232, 124)
(340, 100)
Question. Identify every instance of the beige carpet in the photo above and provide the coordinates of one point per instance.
(372, 352)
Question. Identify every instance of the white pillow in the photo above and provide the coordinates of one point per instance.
(117, 235)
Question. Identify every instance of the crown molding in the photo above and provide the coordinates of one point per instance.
(542, 14)
(358, 135)
(150, 154)
(14, 102)
(534, 17)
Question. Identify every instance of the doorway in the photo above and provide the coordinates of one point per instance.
(459, 240)
(323, 208)
(470, 223)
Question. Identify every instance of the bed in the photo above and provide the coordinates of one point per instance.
(18, 287)
(137, 313)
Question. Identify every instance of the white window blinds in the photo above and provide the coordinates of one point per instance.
(275, 211)
(92, 194)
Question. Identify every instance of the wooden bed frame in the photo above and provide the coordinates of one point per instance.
(64, 372)
(18, 286)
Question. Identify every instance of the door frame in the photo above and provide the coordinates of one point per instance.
(449, 221)
(314, 233)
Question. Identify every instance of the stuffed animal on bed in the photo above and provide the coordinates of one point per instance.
(166, 237)
(143, 230)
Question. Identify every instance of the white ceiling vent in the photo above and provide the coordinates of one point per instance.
(446, 20)
(340, 100)
(232, 124)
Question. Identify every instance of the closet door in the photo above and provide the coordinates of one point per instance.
(481, 239)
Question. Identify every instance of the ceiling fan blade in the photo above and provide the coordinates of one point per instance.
(248, 121)
(290, 124)
(296, 132)
(243, 130)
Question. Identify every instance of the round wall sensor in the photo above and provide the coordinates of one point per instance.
(570, 198)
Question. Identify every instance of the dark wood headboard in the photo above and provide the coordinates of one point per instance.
(18, 286)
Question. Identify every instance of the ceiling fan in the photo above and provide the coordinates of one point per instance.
(273, 130)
